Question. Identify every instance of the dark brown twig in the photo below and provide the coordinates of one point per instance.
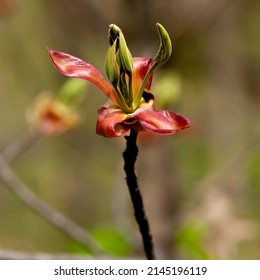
(130, 155)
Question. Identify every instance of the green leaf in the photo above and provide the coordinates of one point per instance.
(111, 65)
(113, 33)
(77, 248)
(112, 241)
(190, 241)
(165, 48)
(125, 55)
(72, 92)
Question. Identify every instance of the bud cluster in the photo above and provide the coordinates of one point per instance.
(119, 66)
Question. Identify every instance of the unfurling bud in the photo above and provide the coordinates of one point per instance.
(119, 59)
(111, 66)
(165, 48)
(125, 55)
(113, 33)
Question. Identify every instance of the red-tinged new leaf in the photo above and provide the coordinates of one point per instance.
(72, 66)
(161, 121)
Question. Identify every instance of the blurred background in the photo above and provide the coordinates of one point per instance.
(201, 187)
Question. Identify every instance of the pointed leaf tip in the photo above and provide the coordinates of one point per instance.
(165, 48)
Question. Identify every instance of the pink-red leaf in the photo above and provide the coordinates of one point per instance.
(161, 121)
(113, 122)
(140, 68)
(110, 122)
(72, 66)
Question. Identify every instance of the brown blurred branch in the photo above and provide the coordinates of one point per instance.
(20, 145)
(21, 191)
(21, 255)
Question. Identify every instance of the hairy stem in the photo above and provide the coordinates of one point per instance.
(130, 155)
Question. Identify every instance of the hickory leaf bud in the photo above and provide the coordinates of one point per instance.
(165, 48)
(125, 55)
(72, 92)
(113, 33)
(111, 66)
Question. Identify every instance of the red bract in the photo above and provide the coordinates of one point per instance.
(113, 120)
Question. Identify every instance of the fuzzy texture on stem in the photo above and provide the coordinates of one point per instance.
(130, 155)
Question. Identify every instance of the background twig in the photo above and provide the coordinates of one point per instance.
(21, 255)
(20, 145)
(21, 191)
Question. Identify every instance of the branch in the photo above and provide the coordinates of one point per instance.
(20, 145)
(21, 191)
(20, 255)
(130, 155)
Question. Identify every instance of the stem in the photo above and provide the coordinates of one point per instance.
(143, 85)
(130, 155)
(130, 89)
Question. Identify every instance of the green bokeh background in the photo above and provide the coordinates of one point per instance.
(201, 187)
